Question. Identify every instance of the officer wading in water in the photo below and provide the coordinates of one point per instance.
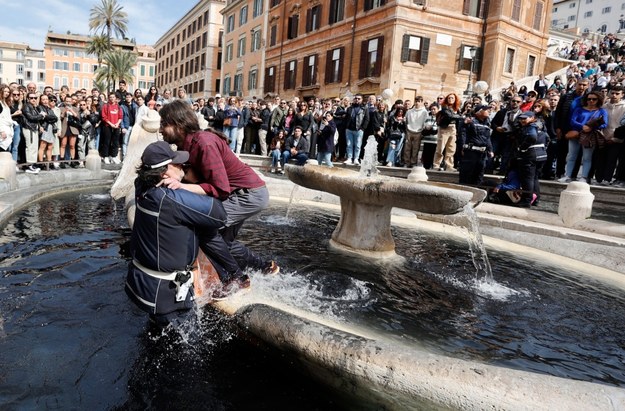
(164, 241)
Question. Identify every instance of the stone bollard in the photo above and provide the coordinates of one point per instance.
(93, 161)
(575, 203)
(7, 169)
(417, 174)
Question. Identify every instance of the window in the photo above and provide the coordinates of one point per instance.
(243, 16)
(273, 35)
(588, 1)
(79, 54)
(57, 82)
(588, 14)
(538, 15)
(19, 55)
(258, 8)
(228, 56)
(255, 43)
(293, 26)
(60, 52)
(41, 64)
(571, 18)
(41, 77)
(606, 10)
(241, 49)
(334, 65)
(142, 70)
(151, 71)
(76, 83)
(509, 62)
(531, 63)
(238, 82)
(76, 67)
(337, 11)
(270, 79)
(204, 40)
(474, 8)
(309, 76)
(371, 57)
(572, 6)
(60, 65)
(218, 63)
(19, 69)
(516, 10)
(274, 3)
(1, 68)
(290, 74)
(29, 63)
(226, 89)
(465, 62)
(29, 75)
(374, 4)
(603, 28)
(85, 83)
(312, 18)
(230, 25)
(252, 79)
(415, 49)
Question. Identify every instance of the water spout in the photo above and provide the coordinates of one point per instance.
(368, 167)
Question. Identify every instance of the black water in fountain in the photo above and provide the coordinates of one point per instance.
(70, 339)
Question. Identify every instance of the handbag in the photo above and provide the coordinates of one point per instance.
(594, 138)
(571, 135)
(227, 121)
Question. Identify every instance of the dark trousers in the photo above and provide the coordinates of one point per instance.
(604, 162)
(109, 141)
(472, 167)
(427, 157)
(527, 175)
(548, 169)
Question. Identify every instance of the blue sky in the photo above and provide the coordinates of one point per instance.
(28, 21)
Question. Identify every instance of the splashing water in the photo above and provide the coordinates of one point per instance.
(476, 245)
(370, 160)
(289, 207)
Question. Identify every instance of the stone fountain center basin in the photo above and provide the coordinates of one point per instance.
(366, 203)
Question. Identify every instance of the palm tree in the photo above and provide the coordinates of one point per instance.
(118, 65)
(98, 45)
(109, 17)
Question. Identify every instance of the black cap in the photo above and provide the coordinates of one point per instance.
(160, 154)
(481, 107)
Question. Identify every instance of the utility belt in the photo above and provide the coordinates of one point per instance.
(241, 191)
(182, 278)
(534, 146)
(474, 148)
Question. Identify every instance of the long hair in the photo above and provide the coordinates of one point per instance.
(9, 98)
(180, 114)
(546, 108)
(454, 107)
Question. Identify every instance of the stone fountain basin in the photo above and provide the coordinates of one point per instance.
(431, 198)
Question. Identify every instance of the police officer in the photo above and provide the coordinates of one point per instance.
(164, 241)
(531, 153)
(476, 146)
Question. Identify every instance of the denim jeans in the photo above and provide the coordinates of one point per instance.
(300, 157)
(17, 132)
(574, 148)
(354, 142)
(325, 157)
(394, 150)
(275, 157)
(232, 132)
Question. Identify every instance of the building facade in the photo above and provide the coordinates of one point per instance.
(145, 71)
(68, 64)
(411, 47)
(12, 62)
(188, 55)
(589, 16)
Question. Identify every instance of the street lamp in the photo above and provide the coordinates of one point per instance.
(469, 90)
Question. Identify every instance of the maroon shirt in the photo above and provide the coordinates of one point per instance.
(219, 170)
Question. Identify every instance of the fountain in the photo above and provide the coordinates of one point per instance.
(367, 200)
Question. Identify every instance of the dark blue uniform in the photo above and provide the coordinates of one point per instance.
(475, 144)
(531, 155)
(165, 239)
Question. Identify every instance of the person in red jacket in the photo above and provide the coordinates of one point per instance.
(111, 130)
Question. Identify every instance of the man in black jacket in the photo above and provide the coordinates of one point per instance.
(32, 119)
(476, 146)
(357, 119)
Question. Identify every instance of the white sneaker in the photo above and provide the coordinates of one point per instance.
(81, 164)
(56, 164)
(32, 170)
(273, 170)
(357, 162)
(115, 160)
(582, 180)
(107, 160)
(564, 179)
(348, 161)
(389, 164)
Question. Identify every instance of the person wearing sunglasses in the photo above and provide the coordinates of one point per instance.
(6, 122)
(16, 114)
(32, 119)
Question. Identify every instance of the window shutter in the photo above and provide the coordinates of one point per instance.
(309, 20)
(341, 62)
(363, 59)
(319, 14)
(466, 7)
(477, 63)
(405, 51)
(287, 76)
(368, 4)
(482, 11)
(306, 73)
(267, 81)
(377, 70)
(461, 57)
(425, 49)
(329, 66)
(294, 74)
(332, 13)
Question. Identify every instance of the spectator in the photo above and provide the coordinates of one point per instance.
(277, 143)
(541, 85)
(605, 158)
(357, 119)
(476, 146)
(396, 131)
(325, 140)
(47, 130)
(446, 120)
(415, 121)
(111, 130)
(296, 146)
(430, 131)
